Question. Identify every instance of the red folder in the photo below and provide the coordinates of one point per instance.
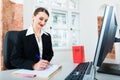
(78, 54)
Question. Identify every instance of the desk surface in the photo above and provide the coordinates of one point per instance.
(66, 69)
(67, 66)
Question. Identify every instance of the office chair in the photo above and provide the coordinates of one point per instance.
(10, 40)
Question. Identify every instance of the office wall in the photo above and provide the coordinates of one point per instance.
(88, 27)
(1, 36)
(28, 8)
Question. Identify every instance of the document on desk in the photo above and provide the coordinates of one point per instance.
(44, 74)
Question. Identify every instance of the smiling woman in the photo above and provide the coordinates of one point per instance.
(33, 48)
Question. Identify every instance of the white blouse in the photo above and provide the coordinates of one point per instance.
(31, 31)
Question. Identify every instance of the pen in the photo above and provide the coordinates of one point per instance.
(38, 56)
(28, 75)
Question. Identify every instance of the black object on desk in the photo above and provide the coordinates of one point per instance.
(109, 68)
(80, 71)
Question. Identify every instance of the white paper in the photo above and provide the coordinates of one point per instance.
(44, 73)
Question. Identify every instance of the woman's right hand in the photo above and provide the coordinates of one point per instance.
(41, 65)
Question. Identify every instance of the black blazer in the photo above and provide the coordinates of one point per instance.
(26, 49)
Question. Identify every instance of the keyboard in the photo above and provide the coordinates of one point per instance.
(79, 71)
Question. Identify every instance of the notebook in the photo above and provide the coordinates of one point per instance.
(44, 74)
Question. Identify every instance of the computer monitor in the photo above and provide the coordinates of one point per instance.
(105, 42)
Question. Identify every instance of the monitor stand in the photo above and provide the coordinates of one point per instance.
(109, 68)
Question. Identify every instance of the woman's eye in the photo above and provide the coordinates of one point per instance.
(46, 20)
(41, 19)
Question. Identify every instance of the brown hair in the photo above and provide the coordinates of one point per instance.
(40, 9)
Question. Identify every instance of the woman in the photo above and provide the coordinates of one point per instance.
(33, 49)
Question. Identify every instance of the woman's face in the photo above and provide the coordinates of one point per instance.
(40, 19)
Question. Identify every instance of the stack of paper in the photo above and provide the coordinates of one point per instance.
(45, 74)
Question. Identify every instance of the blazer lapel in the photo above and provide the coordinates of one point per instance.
(32, 41)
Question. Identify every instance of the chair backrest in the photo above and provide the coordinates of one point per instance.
(9, 42)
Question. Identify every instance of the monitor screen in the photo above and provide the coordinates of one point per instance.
(106, 39)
